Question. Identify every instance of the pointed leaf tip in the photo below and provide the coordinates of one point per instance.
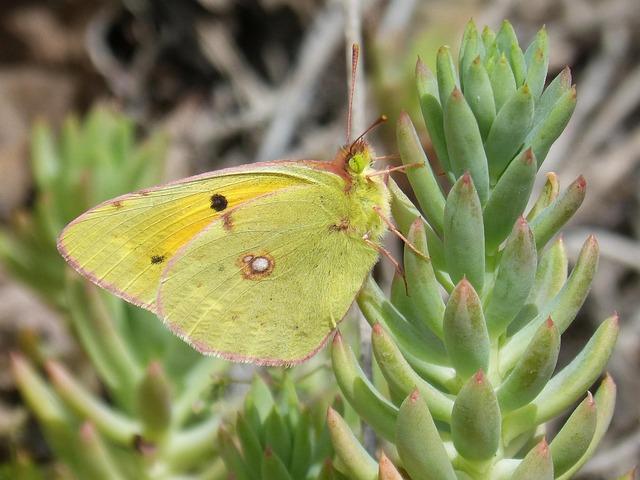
(87, 431)
(404, 118)
(544, 445)
(549, 323)
(480, 377)
(414, 396)
(377, 329)
(422, 70)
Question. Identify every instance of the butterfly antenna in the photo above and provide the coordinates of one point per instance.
(355, 54)
(381, 119)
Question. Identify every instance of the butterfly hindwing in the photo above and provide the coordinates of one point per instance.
(267, 283)
(124, 244)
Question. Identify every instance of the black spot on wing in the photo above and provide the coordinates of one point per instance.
(155, 259)
(218, 202)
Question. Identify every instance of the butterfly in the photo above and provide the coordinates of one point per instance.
(255, 263)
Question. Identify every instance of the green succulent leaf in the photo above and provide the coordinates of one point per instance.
(432, 111)
(537, 59)
(465, 331)
(422, 286)
(475, 419)
(464, 234)
(568, 385)
(386, 470)
(503, 83)
(548, 222)
(278, 436)
(563, 308)
(358, 463)
(536, 465)
(605, 399)
(549, 128)
(573, 439)
(99, 461)
(479, 95)
(250, 443)
(378, 309)
(509, 131)
(273, 466)
(533, 370)
(513, 281)
(518, 65)
(372, 407)
(422, 179)
(154, 401)
(560, 85)
(419, 445)
(508, 200)
(446, 75)
(232, 457)
(464, 143)
(403, 379)
(547, 196)
(302, 450)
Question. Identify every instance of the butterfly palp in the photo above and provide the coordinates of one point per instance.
(218, 202)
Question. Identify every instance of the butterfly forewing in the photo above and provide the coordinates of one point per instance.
(125, 243)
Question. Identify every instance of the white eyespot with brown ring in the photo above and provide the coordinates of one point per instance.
(256, 266)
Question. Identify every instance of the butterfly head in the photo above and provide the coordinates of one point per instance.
(359, 157)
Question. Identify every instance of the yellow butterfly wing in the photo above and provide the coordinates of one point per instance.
(269, 284)
(124, 244)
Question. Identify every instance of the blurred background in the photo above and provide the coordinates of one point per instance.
(197, 85)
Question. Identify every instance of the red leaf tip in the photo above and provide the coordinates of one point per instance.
(615, 319)
(479, 377)
(414, 396)
(549, 322)
(522, 222)
(466, 179)
(581, 182)
(456, 94)
(528, 157)
(543, 447)
(377, 329)
(590, 401)
(155, 369)
(87, 431)
(404, 118)
(331, 414)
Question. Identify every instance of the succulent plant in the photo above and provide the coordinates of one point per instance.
(276, 435)
(469, 345)
(144, 407)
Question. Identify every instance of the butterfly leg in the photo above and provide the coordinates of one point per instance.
(387, 253)
(393, 228)
(388, 170)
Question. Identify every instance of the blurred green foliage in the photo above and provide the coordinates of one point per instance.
(152, 415)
